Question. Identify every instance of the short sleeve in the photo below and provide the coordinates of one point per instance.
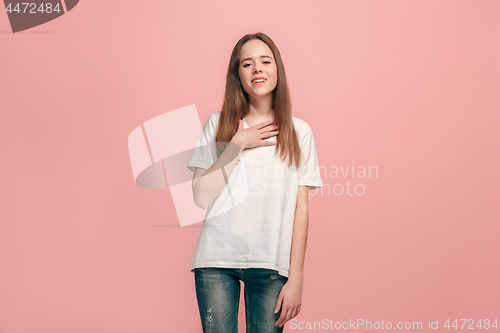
(205, 153)
(309, 171)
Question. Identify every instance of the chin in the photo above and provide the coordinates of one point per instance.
(261, 95)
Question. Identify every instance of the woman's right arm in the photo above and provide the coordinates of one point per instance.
(208, 184)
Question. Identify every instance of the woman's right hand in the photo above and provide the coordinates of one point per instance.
(255, 136)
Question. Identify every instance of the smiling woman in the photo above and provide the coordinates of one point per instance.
(258, 71)
(255, 228)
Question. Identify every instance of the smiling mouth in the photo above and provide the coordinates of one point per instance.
(259, 81)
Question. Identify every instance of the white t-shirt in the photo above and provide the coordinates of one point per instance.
(250, 223)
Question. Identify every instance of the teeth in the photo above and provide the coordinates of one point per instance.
(259, 80)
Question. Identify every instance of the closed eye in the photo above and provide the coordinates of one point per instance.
(265, 62)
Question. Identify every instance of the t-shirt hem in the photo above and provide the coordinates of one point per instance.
(192, 167)
(240, 265)
(311, 183)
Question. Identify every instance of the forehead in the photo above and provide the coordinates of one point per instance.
(255, 48)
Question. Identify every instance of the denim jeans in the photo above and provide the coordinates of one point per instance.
(218, 295)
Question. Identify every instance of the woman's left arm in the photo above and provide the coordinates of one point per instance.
(290, 297)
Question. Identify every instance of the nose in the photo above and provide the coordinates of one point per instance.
(256, 69)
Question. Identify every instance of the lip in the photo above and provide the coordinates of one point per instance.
(259, 83)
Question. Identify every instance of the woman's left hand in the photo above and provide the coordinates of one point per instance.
(290, 300)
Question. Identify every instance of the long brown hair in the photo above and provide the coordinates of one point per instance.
(236, 104)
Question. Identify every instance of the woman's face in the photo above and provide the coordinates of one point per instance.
(257, 61)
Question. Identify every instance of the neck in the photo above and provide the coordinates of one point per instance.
(261, 109)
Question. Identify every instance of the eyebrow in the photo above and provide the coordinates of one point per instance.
(262, 56)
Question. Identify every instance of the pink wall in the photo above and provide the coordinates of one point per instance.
(410, 87)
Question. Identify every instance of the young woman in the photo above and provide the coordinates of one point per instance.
(253, 166)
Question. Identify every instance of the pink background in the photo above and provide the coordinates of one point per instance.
(411, 87)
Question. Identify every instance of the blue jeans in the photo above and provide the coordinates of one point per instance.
(218, 294)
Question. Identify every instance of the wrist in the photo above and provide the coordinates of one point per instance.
(239, 143)
(295, 282)
(296, 279)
